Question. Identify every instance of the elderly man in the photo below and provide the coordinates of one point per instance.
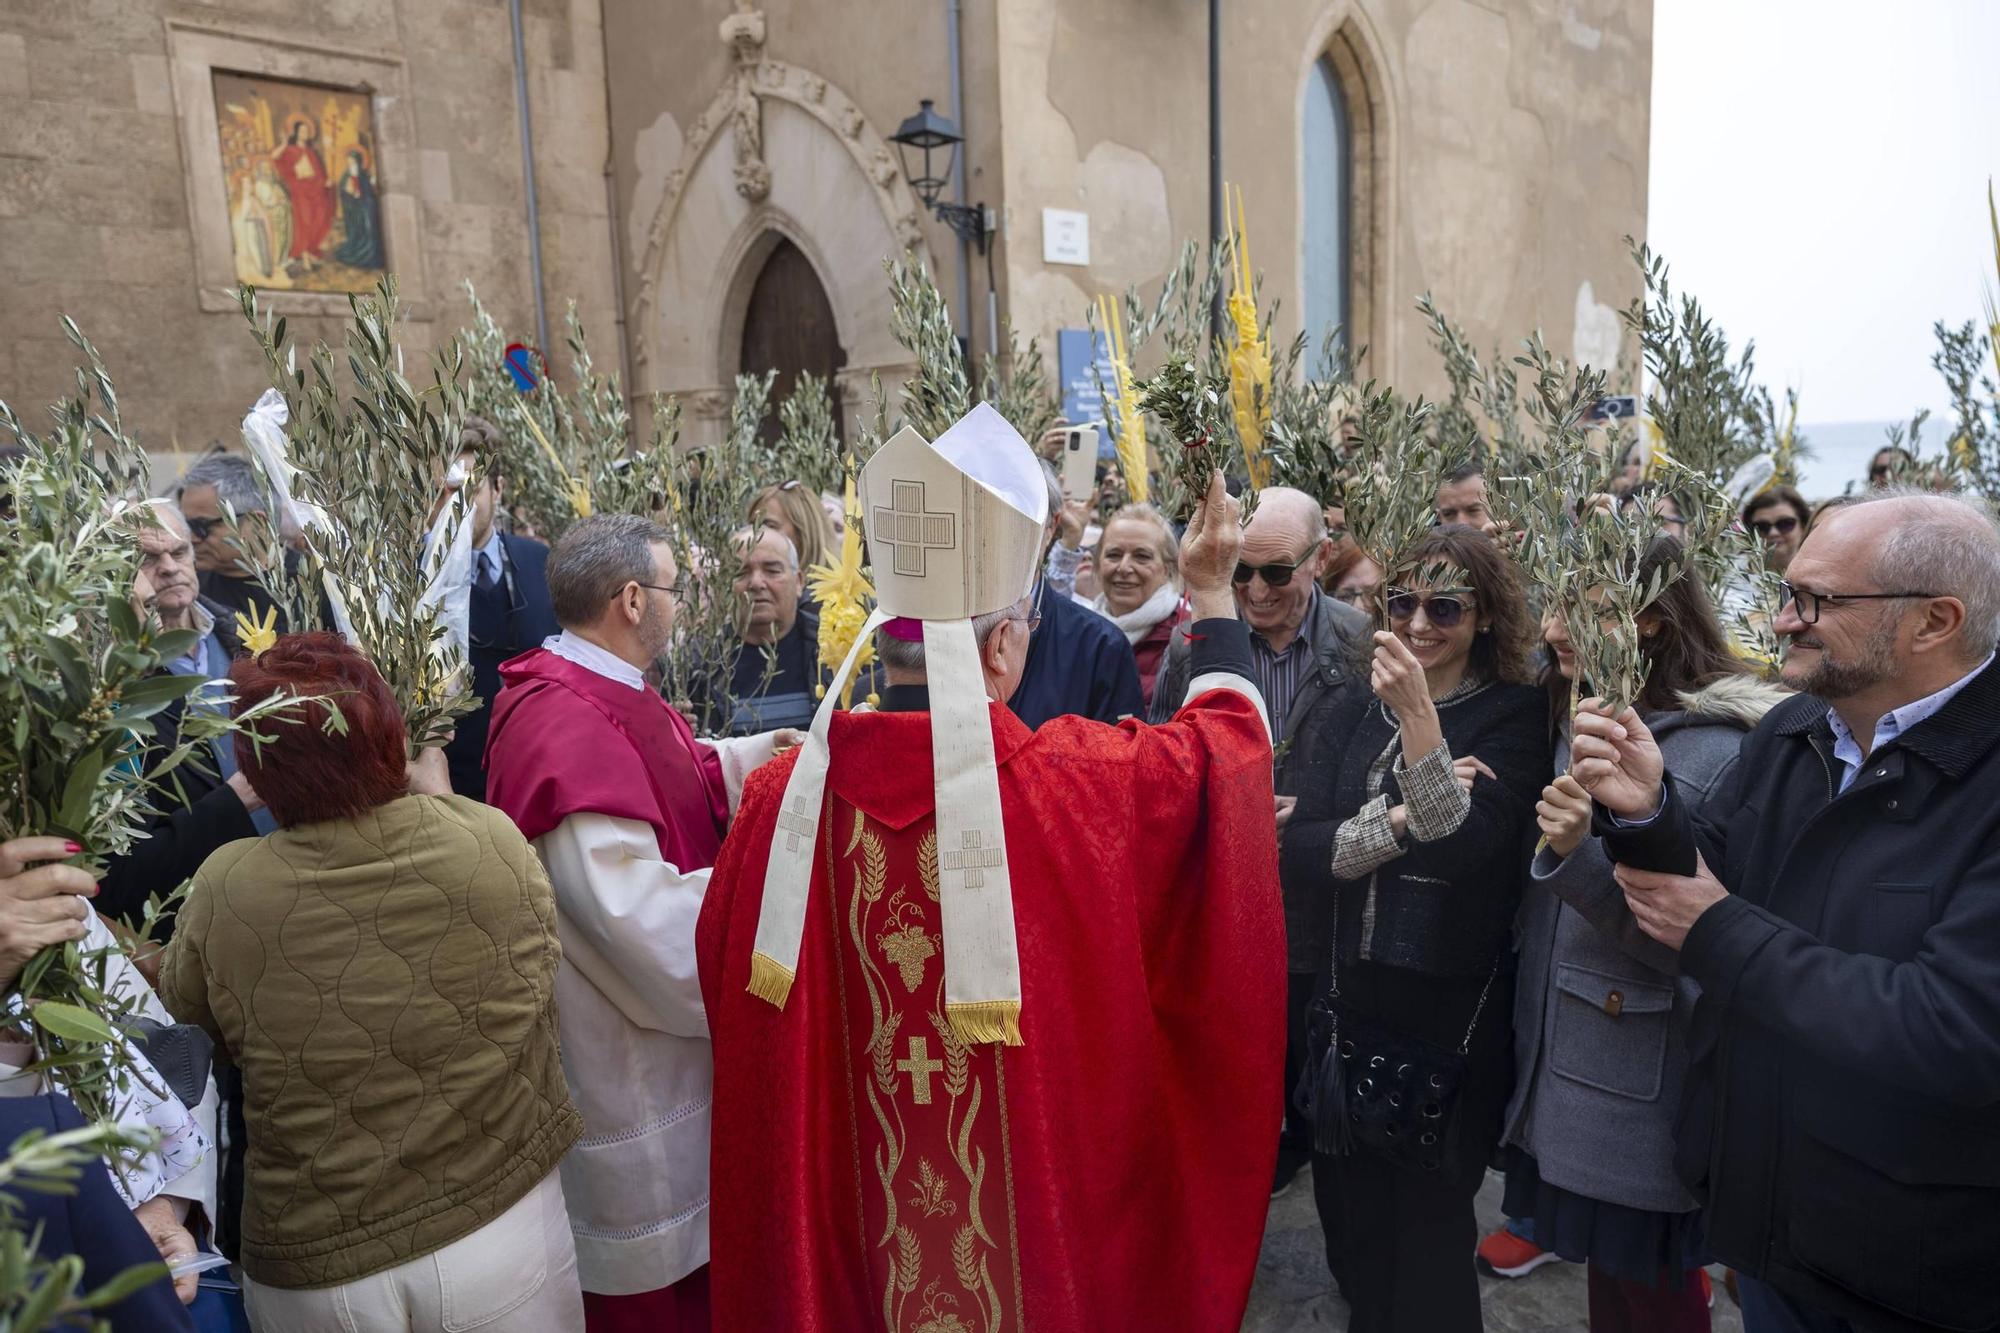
(206, 809)
(775, 675)
(213, 489)
(1078, 662)
(995, 1050)
(1301, 641)
(509, 610)
(1837, 899)
(627, 810)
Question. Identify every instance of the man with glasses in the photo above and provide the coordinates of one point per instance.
(1778, 518)
(1837, 899)
(1301, 641)
(228, 514)
(626, 809)
(509, 604)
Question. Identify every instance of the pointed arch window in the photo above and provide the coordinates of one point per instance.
(1327, 172)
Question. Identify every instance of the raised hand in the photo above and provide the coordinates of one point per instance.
(1398, 677)
(1616, 760)
(1208, 552)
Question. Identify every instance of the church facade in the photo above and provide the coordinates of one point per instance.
(716, 187)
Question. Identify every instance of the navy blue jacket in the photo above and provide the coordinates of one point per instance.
(1078, 662)
(93, 1222)
(510, 620)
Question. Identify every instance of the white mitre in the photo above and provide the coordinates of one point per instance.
(954, 531)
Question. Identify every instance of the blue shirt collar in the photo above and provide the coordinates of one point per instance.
(1892, 723)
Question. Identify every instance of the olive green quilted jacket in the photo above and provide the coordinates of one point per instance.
(387, 986)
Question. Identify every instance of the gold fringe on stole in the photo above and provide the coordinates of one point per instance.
(770, 980)
(985, 1021)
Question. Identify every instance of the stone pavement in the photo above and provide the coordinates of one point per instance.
(1294, 1292)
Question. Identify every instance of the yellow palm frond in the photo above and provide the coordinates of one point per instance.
(1131, 437)
(844, 594)
(1250, 358)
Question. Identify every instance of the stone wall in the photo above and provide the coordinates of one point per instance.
(1504, 144)
(106, 214)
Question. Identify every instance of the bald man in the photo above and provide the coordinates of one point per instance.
(1301, 642)
(1837, 899)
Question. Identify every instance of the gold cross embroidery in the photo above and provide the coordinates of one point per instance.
(910, 531)
(974, 859)
(920, 1067)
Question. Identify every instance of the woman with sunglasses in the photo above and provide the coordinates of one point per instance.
(1600, 1009)
(1415, 814)
(1778, 518)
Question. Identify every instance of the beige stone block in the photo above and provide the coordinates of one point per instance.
(13, 65)
(39, 248)
(146, 257)
(71, 71)
(152, 86)
(434, 175)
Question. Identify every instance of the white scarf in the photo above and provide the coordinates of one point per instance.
(1138, 622)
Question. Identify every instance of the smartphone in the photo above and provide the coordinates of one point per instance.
(1079, 462)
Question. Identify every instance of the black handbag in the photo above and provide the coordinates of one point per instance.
(1368, 1088)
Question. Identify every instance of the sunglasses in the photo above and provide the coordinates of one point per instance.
(199, 528)
(1442, 609)
(1783, 527)
(1274, 576)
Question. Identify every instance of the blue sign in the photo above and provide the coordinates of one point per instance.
(521, 360)
(1083, 366)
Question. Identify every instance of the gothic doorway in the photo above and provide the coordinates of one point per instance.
(788, 327)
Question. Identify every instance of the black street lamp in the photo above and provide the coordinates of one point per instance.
(930, 133)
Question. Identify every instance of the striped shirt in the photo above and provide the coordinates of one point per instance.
(1279, 674)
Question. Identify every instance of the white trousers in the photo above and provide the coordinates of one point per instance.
(516, 1274)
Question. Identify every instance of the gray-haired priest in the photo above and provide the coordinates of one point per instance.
(998, 1014)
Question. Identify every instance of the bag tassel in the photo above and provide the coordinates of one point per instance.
(1332, 1134)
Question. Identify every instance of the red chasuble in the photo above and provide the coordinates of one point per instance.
(565, 740)
(872, 1172)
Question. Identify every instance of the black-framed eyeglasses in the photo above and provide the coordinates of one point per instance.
(1811, 603)
(1442, 609)
(1783, 527)
(673, 590)
(1275, 576)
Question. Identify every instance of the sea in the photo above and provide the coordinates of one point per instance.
(1841, 451)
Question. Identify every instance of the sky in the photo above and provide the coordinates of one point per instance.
(1818, 181)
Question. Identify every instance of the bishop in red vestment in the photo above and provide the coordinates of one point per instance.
(878, 1169)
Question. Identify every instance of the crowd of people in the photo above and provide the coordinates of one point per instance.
(1165, 863)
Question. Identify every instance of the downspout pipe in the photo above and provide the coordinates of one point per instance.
(1215, 221)
(528, 178)
(954, 40)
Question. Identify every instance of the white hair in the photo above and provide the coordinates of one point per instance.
(908, 654)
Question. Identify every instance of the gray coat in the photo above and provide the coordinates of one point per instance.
(1600, 1009)
(1338, 630)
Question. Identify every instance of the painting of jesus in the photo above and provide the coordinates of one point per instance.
(303, 179)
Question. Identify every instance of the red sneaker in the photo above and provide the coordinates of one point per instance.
(1504, 1254)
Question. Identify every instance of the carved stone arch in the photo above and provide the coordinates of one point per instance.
(1346, 36)
(836, 190)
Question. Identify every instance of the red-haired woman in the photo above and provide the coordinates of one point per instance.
(382, 969)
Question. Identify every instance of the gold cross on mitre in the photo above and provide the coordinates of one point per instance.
(910, 532)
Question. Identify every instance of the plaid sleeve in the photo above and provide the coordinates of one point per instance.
(1366, 841)
(1434, 805)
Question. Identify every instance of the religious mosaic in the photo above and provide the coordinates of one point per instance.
(304, 181)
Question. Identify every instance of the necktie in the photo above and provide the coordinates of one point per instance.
(488, 573)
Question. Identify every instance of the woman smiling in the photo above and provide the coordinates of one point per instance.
(1139, 577)
(1416, 813)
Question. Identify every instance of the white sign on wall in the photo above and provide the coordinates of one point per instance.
(1065, 236)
